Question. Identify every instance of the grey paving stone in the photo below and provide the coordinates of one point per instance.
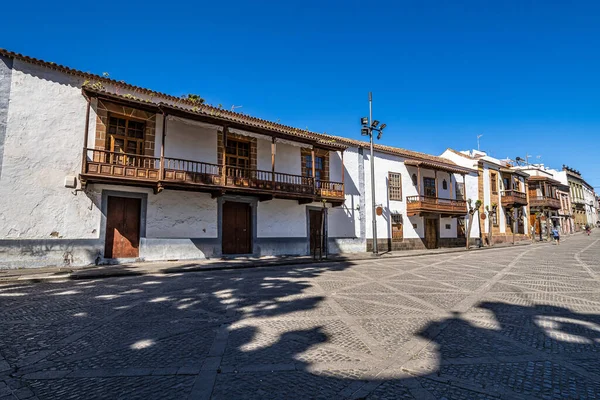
(532, 330)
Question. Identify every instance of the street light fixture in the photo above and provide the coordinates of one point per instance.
(367, 130)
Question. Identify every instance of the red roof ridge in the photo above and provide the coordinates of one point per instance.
(241, 117)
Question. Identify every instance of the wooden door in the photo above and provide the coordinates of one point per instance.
(533, 222)
(122, 227)
(315, 229)
(237, 237)
(431, 233)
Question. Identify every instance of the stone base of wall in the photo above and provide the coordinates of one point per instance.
(384, 245)
(504, 238)
(36, 253)
(452, 242)
(346, 245)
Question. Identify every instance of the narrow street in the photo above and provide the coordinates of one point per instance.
(515, 323)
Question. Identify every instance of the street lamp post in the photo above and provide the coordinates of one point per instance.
(368, 126)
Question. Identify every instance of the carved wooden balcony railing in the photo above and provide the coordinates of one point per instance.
(122, 165)
(513, 198)
(328, 189)
(544, 202)
(416, 205)
(192, 172)
(112, 167)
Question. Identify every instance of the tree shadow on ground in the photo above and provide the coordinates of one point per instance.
(272, 334)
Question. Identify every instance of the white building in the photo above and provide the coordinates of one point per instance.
(502, 191)
(94, 170)
(422, 199)
(583, 199)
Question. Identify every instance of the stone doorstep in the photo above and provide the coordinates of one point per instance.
(159, 268)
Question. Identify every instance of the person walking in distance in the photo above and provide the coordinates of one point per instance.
(556, 235)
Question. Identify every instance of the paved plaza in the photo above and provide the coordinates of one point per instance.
(512, 323)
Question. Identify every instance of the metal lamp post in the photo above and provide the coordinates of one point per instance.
(368, 127)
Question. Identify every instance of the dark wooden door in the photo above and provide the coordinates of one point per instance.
(237, 238)
(315, 229)
(122, 227)
(431, 233)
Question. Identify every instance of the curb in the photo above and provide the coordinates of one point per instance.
(82, 274)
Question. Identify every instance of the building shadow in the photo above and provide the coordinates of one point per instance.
(272, 334)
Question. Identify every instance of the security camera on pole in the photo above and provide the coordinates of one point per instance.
(368, 127)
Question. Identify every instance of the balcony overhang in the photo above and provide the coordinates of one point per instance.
(107, 167)
(544, 202)
(438, 166)
(224, 118)
(435, 206)
(513, 198)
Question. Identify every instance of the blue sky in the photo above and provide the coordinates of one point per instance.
(525, 74)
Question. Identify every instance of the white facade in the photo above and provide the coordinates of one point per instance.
(46, 220)
(42, 222)
(488, 167)
(413, 226)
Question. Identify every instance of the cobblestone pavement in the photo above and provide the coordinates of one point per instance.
(513, 323)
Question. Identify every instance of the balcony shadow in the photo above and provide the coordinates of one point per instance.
(273, 333)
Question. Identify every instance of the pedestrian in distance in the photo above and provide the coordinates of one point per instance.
(556, 235)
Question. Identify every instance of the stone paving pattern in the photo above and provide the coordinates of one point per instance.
(512, 323)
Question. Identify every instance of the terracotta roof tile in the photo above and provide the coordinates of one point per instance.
(205, 109)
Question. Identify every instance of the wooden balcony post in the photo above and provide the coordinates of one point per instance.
(273, 149)
(224, 157)
(85, 133)
(419, 180)
(343, 169)
(450, 196)
(464, 188)
(312, 157)
(162, 147)
(436, 183)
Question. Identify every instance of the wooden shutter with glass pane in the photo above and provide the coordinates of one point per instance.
(125, 135)
(395, 186)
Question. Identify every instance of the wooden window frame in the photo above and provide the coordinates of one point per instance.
(428, 184)
(237, 156)
(319, 172)
(395, 186)
(111, 137)
(494, 182)
(460, 194)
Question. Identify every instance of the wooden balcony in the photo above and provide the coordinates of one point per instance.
(513, 198)
(544, 202)
(129, 169)
(417, 205)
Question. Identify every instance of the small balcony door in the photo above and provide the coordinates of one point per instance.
(125, 135)
(429, 187)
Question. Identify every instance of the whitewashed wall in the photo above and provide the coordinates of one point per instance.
(385, 163)
(188, 141)
(471, 183)
(344, 221)
(279, 218)
(43, 145)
